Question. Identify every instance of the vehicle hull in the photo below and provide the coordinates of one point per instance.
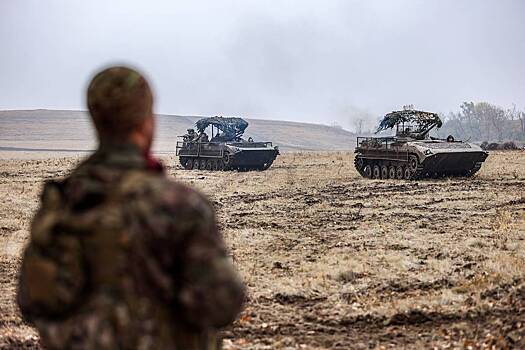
(254, 159)
(392, 157)
(242, 156)
(453, 164)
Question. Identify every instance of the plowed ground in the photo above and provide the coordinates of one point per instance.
(332, 260)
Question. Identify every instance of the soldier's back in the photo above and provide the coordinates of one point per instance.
(126, 259)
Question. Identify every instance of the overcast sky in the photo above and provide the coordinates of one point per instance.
(315, 61)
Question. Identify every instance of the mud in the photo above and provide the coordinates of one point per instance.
(335, 261)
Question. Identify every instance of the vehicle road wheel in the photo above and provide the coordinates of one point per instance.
(399, 172)
(413, 162)
(384, 172)
(195, 164)
(368, 171)
(376, 172)
(226, 159)
(215, 164)
(407, 173)
(189, 164)
(209, 164)
(202, 164)
(359, 163)
(392, 172)
(183, 161)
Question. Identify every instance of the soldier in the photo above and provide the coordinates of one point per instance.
(203, 137)
(120, 256)
(190, 136)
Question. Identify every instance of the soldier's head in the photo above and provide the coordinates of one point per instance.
(120, 102)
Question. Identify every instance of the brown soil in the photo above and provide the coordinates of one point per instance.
(332, 260)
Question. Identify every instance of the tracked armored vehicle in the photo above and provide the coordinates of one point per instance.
(226, 150)
(412, 153)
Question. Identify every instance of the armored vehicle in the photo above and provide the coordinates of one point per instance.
(412, 153)
(226, 149)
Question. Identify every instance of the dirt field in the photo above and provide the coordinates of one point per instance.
(332, 260)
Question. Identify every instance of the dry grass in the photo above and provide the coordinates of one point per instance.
(332, 260)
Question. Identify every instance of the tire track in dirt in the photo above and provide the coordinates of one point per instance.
(337, 261)
(399, 328)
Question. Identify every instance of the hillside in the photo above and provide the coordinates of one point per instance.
(71, 131)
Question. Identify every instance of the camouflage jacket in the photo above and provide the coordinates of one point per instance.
(122, 257)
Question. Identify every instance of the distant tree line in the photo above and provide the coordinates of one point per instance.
(482, 121)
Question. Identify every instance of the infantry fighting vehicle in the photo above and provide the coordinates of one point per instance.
(412, 153)
(226, 150)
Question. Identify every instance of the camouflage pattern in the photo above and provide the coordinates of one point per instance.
(122, 257)
(119, 99)
(226, 150)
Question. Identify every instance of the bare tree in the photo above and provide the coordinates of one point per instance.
(484, 121)
(362, 122)
(522, 124)
(468, 115)
(358, 123)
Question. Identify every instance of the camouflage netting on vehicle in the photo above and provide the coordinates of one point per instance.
(232, 127)
(424, 119)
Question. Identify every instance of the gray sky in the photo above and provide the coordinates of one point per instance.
(304, 60)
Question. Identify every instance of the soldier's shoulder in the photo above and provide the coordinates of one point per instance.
(168, 203)
(164, 191)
